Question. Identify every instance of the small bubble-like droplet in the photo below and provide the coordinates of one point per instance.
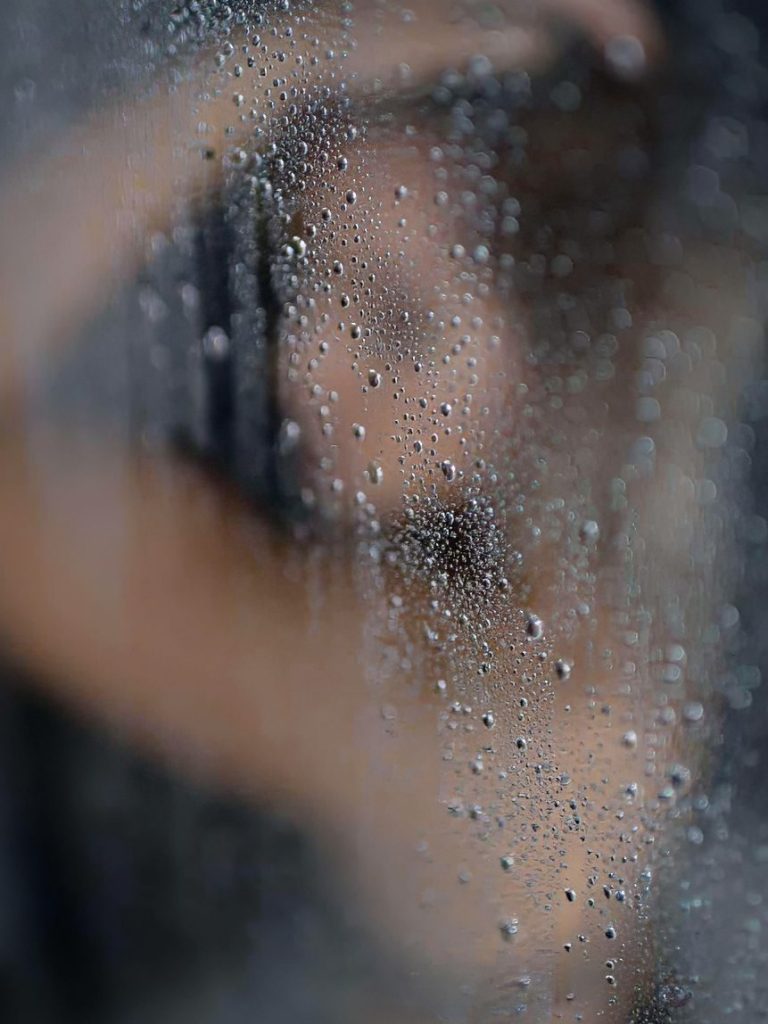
(563, 669)
(375, 472)
(534, 627)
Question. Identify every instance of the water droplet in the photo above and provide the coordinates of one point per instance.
(712, 433)
(693, 711)
(290, 435)
(216, 344)
(625, 55)
(534, 627)
(589, 531)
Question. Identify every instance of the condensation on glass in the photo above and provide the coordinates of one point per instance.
(382, 510)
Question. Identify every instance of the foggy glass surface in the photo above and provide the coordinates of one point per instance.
(382, 504)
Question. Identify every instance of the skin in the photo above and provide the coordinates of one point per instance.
(145, 597)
